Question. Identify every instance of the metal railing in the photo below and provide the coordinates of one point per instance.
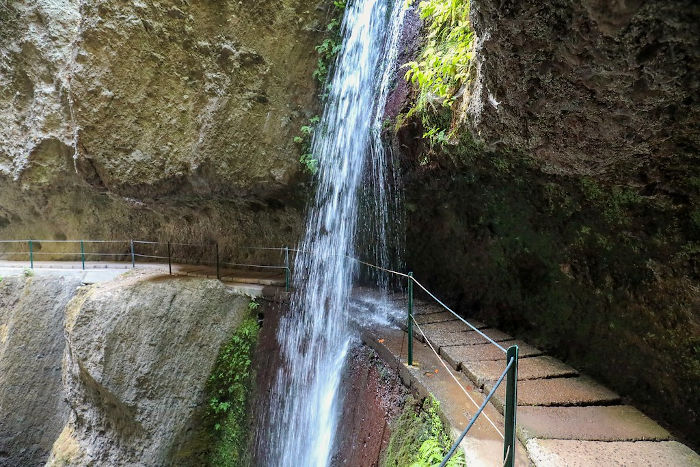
(509, 374)
(131, 252)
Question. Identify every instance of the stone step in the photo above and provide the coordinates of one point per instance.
(430, 318)
(596, 423)
(468, 337)
(579, 390)
(540, 367)
(483, 446)
(465, 354)
(449, 327)
(575, 453)
(422, 308)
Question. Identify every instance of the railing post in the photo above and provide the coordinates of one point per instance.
(410, 319)
(511, 408)
(286, 269)
(133, 257)
(170, 264)
(31, 254)
(82, 253)
(218, 274)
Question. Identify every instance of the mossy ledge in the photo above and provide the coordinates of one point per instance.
(419, 437)
(230, 395)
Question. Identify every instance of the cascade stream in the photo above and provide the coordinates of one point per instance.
(315, 335)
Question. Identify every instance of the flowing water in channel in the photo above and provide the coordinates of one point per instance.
(315, 335)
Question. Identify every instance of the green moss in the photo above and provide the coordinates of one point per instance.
(229, 386)
(419, 438)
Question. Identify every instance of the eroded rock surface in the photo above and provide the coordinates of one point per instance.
(33, 409)
(112, 108)
(113, 374)
(587, 87)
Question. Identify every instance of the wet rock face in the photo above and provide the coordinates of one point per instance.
(587, 87)
(373, 397)
(145, 100)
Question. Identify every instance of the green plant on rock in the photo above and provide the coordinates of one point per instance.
(327, 51)
(443, 67)
(253, 305)
(441, 73)
(304, 142)
(419, 438)
(329, 48)
(229, 387)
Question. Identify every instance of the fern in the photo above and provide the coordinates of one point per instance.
(444, 65)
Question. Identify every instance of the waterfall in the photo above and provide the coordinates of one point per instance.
(315, 334)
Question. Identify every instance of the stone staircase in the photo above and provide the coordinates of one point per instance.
(564, 418)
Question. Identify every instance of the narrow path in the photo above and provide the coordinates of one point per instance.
(483, 446)
(253, 283)
(564, 418)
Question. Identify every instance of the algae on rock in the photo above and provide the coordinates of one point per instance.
(229, 388)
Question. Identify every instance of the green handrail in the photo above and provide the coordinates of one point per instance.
(410, 319)
(511, 408)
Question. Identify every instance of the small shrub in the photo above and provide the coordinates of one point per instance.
(329, 48)
(304, 142)
(444, 65)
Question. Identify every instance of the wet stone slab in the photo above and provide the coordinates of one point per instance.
(528, 368)
(430, 318)
(483, 445)
(449, 329)
(466, 354)
(579, 390)
(574, 453)
(447, 338)
(597, 423)
(422, 308)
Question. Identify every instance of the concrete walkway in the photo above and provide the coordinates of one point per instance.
(564, 418)
(246, 282)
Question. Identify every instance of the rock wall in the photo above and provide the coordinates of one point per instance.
(373, 398)
(33, 409)
(589, 87)
(565, 207)
(124, 366)
(170, 116)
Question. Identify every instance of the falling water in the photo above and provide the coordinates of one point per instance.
(315, 336)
